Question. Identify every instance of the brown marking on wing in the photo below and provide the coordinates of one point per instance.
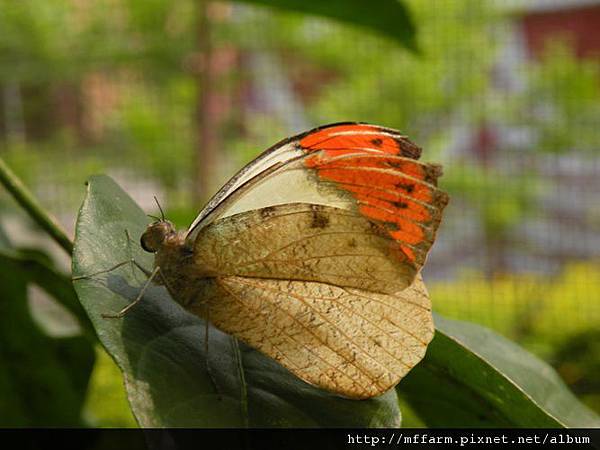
(320, 218)
(267, 212)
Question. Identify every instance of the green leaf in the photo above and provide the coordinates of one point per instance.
(160, 348)
(40, 271)
(43, 379)
(472, 376)
(390, 18)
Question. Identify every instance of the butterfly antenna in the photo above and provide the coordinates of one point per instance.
(154, 217)
(162, 214)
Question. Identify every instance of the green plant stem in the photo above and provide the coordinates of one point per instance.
(30, 204)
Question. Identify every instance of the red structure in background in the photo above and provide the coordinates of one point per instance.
(578, 23)
(538, 22)
(485, 143)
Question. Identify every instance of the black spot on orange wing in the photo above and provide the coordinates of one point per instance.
(401, 205)
(345, 137)
(407, 187)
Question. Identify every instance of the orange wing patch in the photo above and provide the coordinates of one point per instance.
(339, 139)
(378, 167)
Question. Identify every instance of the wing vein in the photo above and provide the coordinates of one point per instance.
(347, 360)
(331, 324)
(303, 238)
(366, 319)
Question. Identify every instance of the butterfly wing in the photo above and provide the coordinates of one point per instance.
(369, 172)
(349, 341)
(282, 166)
(272, 159)
(304, 242)
(312, 254)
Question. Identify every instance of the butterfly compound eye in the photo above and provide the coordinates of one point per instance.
(146, 243)
(155, 235)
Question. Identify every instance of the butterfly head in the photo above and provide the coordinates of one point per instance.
(156, 234)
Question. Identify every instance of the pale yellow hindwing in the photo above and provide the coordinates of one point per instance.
(350, 341)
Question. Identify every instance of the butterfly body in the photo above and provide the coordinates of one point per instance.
(312, 253)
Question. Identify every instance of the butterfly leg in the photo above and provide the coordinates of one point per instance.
(206, 333)
(100, 272)
(131, 261)
(207, 352)
(125, 310)
(150, 274)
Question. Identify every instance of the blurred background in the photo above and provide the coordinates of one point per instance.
(171, 98)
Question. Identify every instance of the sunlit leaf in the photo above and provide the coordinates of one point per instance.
(390, 18)
(472, 376)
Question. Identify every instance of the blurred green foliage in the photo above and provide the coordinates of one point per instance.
(106, 403)
(44, 378)
(392, 87)
(577, 360)
(502, 202)
(525, 307)
(560, 103)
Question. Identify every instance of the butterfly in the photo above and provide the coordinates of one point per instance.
(312, 254)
